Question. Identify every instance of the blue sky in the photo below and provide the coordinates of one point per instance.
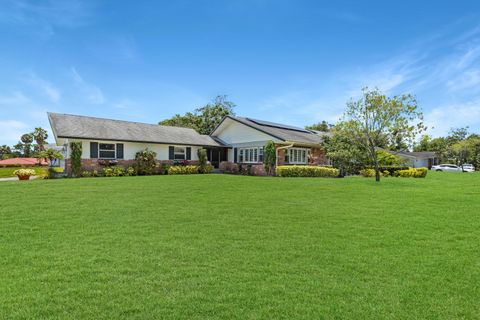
(295, 62)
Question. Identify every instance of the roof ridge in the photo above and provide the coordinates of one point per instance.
(117, 120)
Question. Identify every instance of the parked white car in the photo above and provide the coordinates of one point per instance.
(468, 167)
(447, 168)
(452, 168)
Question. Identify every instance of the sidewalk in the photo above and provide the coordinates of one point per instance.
(15, 178)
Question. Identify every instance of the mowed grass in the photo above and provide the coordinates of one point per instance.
(235, 247)
(8, 171)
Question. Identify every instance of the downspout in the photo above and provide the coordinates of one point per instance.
(276, 152)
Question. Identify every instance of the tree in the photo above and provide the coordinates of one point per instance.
(40, 135)
(457, 134)
(5, 151)
(50, 154)
(26, 140)
(269, 157)
(347, 157)
(323, 126)
(203, 119)
(375, 118)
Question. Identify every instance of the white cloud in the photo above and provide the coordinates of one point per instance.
(92, 93)
(45, 87)
(440, 120)
(11, 130)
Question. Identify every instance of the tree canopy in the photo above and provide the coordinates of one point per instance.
(323, 126)
(203, 119)
(376, 119)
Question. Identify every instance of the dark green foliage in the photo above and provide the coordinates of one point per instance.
(269, 157)
(204, 167)
(323, 126)
(203, 119)
(76, 158)
(145, 162)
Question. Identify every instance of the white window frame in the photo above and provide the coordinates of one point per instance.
(114, 150)
(248, 155)
(175, 153)
(298, 155)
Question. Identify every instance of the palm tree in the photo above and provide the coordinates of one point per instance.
(50, 154)
(40, 135)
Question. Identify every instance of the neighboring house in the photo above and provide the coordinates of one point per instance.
(118, 141)
(23, 162)
(247, 137)
(423, 159)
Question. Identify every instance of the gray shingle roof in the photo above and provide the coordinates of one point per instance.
(81, 127)
(283, 132)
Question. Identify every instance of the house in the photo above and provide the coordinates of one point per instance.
(235, 141)
(423, 159)
(246, 138)
(23, 162)
(114, 141)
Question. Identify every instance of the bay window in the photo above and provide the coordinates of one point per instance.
(250, 155)
(297, 155)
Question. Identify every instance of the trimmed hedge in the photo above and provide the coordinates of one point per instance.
(183, 170)
(412, 173)
(403, 173)
(390, 169)
(306, 171)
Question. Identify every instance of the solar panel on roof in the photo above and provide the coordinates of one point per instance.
(277, 125)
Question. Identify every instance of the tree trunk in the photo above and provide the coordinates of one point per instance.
(377, 171)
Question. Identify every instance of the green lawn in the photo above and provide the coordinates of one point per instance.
(235, 247)
(8, 171)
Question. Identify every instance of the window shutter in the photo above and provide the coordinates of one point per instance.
(235, 154)
(94, 150)
(189, 153)
(171, 152)
(119, 150)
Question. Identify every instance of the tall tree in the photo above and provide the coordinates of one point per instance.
(375, 118)
(40, 136)
(323, 126)
(27, 140)
(347, 157)
(203, 119)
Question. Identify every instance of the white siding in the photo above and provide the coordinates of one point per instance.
(131, 148)
(233, 132)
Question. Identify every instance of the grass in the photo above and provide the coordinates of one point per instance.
(8, 171)
(235, 247)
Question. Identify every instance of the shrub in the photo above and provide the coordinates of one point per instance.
(183, 170)
(412, 173)
(205, 169)
(270, 157)
(76, 158)
(390, 169)
(306, 171)
(113, 172)
(24, 172)
(86, 174)
(130, 172)
(146, 162)
(368, 173)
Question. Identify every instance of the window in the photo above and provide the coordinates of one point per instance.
(248, 155)
(179, 153)
(297, 156)
(106, 151)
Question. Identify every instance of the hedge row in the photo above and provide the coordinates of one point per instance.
(117, 171)
(189, 169)
(404, 173)
(306, 171)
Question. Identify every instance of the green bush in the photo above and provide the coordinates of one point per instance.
(87, 174)
(306, 171)
(145, 162)
(390, 169)
(368, 173)
(412, 173)
(113, 171)
(183, 170)
(208, 168)
(130, 172)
